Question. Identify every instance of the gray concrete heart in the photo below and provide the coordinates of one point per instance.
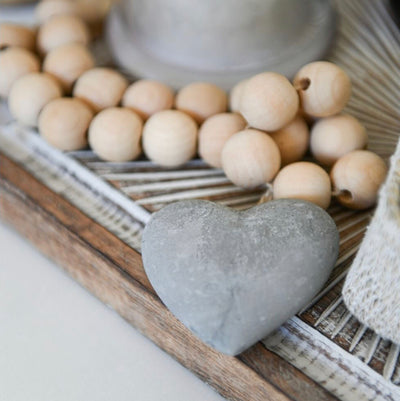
(233, 277)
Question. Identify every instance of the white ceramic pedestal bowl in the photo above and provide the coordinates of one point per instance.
(220, 41)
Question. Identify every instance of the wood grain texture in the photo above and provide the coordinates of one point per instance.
(116, 276)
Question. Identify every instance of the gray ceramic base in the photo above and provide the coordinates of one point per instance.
(311, 44)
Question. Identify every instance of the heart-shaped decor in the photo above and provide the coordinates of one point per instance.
(233, 277)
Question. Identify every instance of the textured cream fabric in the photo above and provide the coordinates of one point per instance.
(372, 287)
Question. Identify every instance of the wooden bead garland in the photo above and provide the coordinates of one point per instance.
(100, 87)
(303, 180)
(14, 63)
(147, 97)
(333, 137)
(29, 94)
(201, 100)
(356, 178)
(18, 36)
(170, 138)
(67, 63)
(115, 133)
(214, 133)
(250, 158)
(60, 30)
(64, 123)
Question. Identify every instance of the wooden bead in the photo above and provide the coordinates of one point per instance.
(50, 8)
(292, 140)
(115, 133)
(235, 95)
(14, 63)
(64, 122)
(169, 138)
(268, 101)
(91, 11)
(100, 88)
(213, 134)
(323, 87)
(356, 178)
(67, 63)
(17, 35)
(333, 137)
(250, 158)
(60, 30)
(303, 180)
(29, 94)
(147, 97)
(201, 100)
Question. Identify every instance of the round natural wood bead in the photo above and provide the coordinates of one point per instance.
(213, 134)
(14, 63)
(100, 88)
(60, 30)
(250, 158)
(64, 123)
(115, 133)
(29, 94)
(17, 35)
(292, 140)
(268, 101)
(201, 100)
(303, 180)
(333, 137)
(235, 96)
(170, 137)
(356, 178)
(67, 63)
(50, 8)
(323, 87)
(147, 97)
(91, 11)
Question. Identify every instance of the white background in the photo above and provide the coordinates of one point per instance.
(58, 342)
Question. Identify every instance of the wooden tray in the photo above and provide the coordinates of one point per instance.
(88, 216)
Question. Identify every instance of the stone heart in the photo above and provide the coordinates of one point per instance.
(233, 277)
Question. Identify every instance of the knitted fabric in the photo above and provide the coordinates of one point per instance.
(372, 288)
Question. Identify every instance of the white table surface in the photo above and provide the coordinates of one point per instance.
(58, 342)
